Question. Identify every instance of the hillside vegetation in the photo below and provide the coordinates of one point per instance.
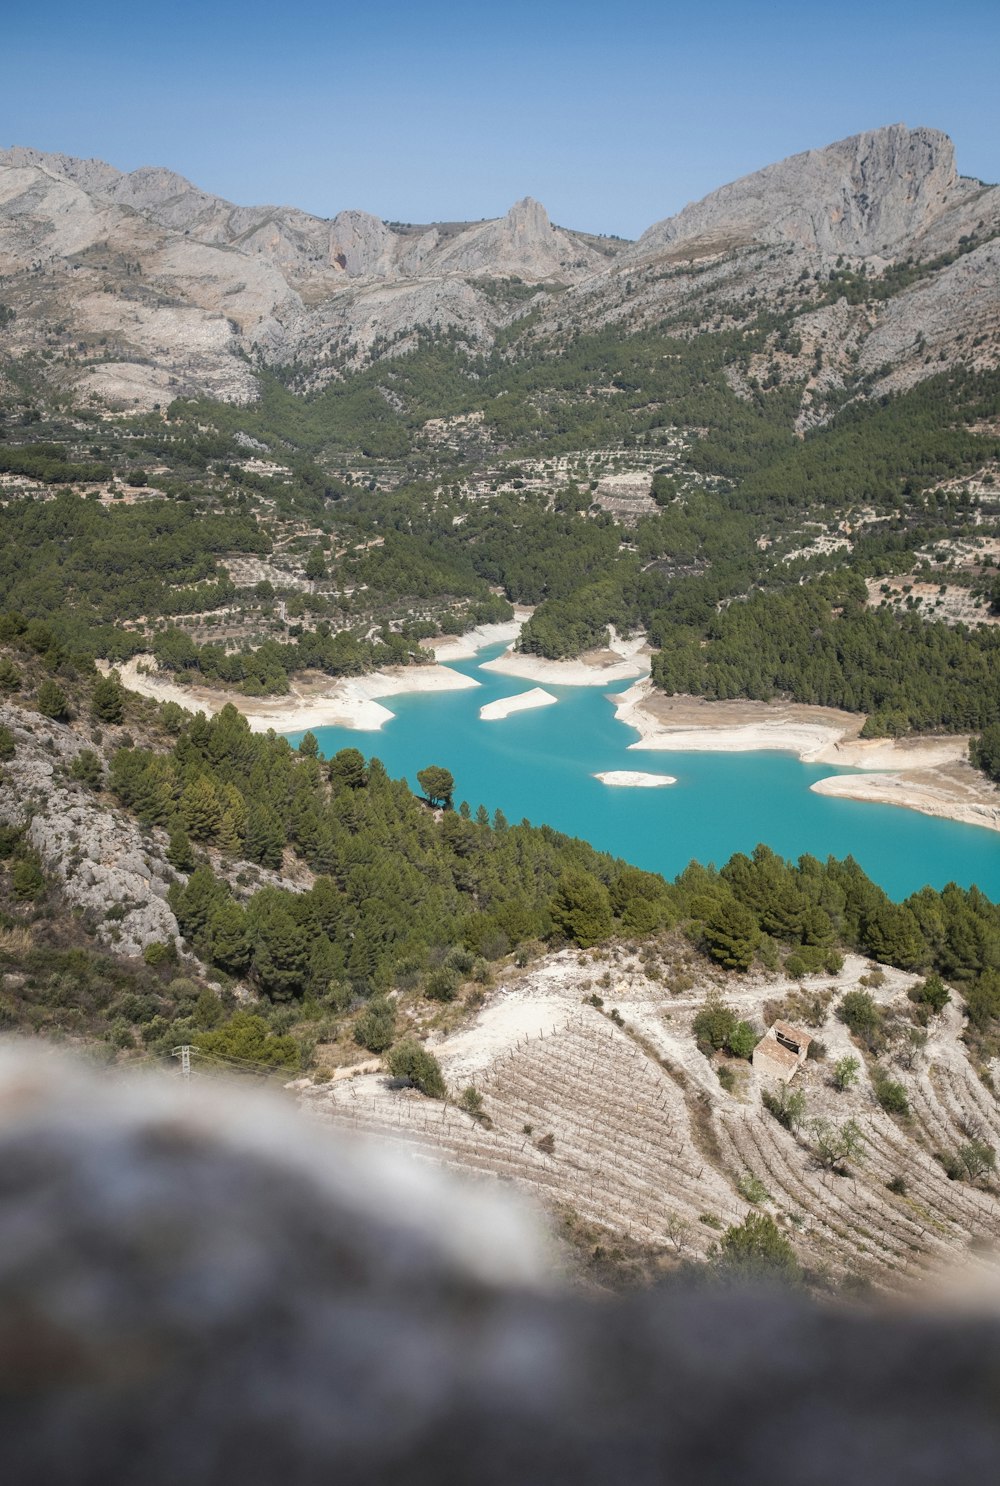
(769, 449)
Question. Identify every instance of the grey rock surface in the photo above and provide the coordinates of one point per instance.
(198, 1286)
(99, 856)
(863, 196)
(162, 290)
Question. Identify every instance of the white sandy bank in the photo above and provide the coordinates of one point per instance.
(565, 672)
(623, 660)
(931, 774)
(635, 779)
(925, 792)
(782, 731)
(782, 727)
(465, 647)
(523, 702)
(350, 702)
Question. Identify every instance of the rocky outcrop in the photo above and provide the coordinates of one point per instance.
(198, 1280)
(106, 867)
(524, 244)
(865, 196)
(159, 289)
(361, 245)
(954, 312)
(170, 286)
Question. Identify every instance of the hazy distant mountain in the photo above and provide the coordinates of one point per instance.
(140, 286)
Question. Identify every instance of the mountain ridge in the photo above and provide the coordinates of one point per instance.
(167, 290)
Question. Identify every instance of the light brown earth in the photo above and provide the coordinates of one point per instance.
(647, 1144)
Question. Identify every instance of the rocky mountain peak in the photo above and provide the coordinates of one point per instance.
(863, 196)
(528, 219)
(176, 280)
(361, 245)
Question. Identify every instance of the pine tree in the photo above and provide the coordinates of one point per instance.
(265, 838)
(281, 956)
(228, 836)
(581, 908)
(230, 937)
(731, 934)
(234, 804)
(200, 808)
(107, 701)
(348, 769)
(52, 701)
(179, 853)
(196, 902)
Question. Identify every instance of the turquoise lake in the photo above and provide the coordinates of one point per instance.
(538, 765)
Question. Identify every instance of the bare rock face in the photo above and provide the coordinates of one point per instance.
(863, 196)
(957, 307)
(161, 290)
(197, 1286)
(98, 854)
(181, 283)
(524, 243)
(361, 245)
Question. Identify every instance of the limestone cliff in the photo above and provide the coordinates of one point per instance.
(159, 289)
(866, 196)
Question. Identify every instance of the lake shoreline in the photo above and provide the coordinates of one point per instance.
(928, 774)
(350, 701)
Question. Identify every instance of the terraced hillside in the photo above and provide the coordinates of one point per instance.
(612, 1117)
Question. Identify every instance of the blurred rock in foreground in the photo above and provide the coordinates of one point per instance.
(197, 1286)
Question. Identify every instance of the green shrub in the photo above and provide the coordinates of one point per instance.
(86, 769)
(890, 1094)
(756, 1250)
(411, 1061)
(159, 953)
(246, 1038)
(845, 1073)
(752, 1189)
(442, 984)
(978, 1158)
(120, 1035)
(471, 1101)
(713, 1026)
(107, 701)
(375, 1028)
(51, 701)
(860, 1014)
(742, 1040)
(787, 1105)
(932, 993)
(27, 881)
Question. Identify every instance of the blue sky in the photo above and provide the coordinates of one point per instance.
(613, 115)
